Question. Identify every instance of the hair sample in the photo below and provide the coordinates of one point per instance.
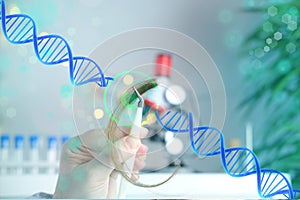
(141, 87)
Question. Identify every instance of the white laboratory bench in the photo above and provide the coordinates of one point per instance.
(197, 185)
(183, 186)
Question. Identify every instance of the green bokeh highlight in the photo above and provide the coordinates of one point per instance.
(291, 47)
(50, 114)
(268, 27)
(24, 68)
(233, 38)
(66, 91)
(272, 11)
(277, 36)
(8, 92)
(284, 66)
(259, 52)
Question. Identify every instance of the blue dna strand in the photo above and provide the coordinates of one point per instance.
(51, 49)
(237, 161)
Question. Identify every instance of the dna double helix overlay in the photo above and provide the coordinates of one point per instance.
(51, 49)
(237, 161)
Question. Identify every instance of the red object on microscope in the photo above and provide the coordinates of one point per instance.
(163, 65)
(156, 100)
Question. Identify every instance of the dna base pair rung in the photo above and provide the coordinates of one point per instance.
(237, 161)
(51, 49)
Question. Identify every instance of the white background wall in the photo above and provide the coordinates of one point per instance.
(38, 99)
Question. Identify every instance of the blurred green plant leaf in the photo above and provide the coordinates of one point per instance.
(275, 45)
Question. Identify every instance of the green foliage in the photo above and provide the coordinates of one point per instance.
(275, 74)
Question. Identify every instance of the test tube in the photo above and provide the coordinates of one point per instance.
(52, 154)
(64, 139)
(4, 150)
(19, 152)
(34, 152)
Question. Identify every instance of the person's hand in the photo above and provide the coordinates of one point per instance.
(86, 166)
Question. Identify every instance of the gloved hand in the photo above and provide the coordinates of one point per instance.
(86, 166)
